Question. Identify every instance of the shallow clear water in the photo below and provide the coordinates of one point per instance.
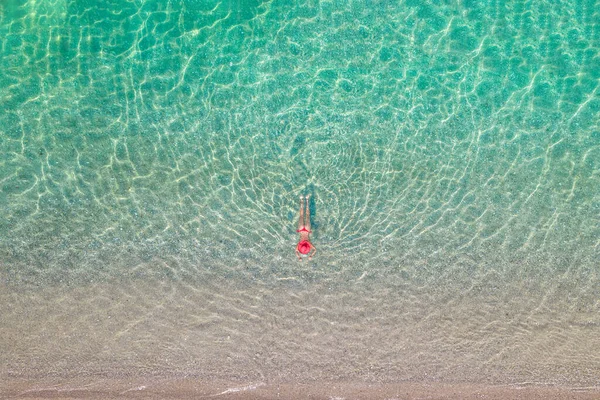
(152, 155)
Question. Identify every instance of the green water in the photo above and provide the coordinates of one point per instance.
(452, 150)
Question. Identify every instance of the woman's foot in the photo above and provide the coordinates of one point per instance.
(301, 197)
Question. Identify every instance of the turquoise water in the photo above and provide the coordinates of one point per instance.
(152, 155)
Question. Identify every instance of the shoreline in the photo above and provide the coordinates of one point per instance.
(171, 388)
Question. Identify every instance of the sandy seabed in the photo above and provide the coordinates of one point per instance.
(159, 388)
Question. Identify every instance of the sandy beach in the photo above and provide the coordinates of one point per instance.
(167, 388)
(269, 347)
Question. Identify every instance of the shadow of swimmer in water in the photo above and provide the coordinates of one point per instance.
(304, 245)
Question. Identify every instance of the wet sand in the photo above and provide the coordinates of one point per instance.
(161, 339)
(168, 388)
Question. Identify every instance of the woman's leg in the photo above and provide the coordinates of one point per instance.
(307, 216)
(301, 219)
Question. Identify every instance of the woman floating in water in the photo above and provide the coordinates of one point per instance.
(304, 245)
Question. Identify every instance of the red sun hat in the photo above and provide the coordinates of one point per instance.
(304, 247)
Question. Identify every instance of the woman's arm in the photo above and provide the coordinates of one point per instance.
(298, 255)
(314, 249)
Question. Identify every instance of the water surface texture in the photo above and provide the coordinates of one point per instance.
(152, 154)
